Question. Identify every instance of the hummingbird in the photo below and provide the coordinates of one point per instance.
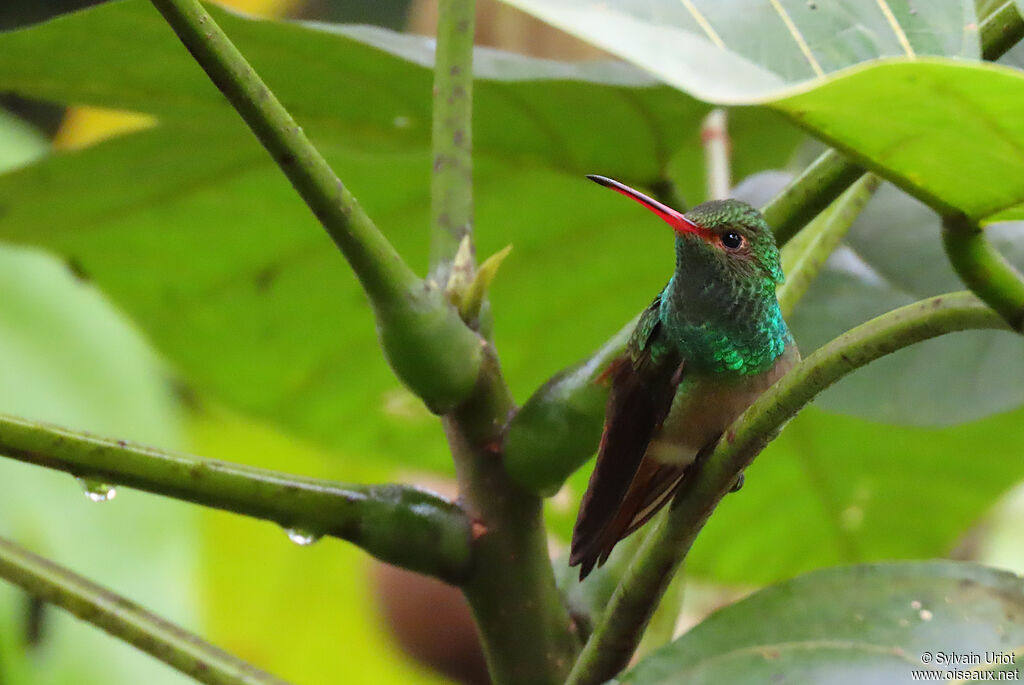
(708, 345)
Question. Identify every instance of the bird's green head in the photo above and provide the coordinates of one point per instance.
(723, 239)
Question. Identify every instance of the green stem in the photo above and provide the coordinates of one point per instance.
(401, 525)
(983, 269)
(616, 636)
(451, 190)
(126, 620)
(810, 249)
(1000, 30)
(424, 340)
(809, 194)
(523, 623)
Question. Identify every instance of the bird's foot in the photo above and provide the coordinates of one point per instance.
(736, 486)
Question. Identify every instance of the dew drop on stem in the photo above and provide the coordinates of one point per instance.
(302, 536)
(97, 491)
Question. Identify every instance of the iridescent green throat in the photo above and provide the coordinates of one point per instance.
(722, 324)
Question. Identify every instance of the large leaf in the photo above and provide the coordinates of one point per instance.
(958, 142)
(207, 247)
(760, 51)
(742, 51)
(863, 624)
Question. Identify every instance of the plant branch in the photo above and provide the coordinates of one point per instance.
(523, 623)
(126, 620)
(401, 525)
(983, 269)
(424, 340)
(1000, 30)
(809, 194)
(451, 191)
(810, 249)
(616, 636)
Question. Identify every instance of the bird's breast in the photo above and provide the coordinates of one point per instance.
(706, 404)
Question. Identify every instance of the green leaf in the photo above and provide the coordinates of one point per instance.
(743, 51)
(969, 112)
(840, 70)
(193, 231)
(861, 624)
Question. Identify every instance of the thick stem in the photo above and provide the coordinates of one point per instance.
(809, 193)
(401, 525)
(451, 190)
(616, 636)
(983, 269)
(126, 620)
(524, 625)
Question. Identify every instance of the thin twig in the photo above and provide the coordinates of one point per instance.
(398, 524)
(126, 620)
(622, 625)
(451, 191)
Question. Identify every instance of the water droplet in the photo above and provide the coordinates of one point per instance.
(301, 536)
(97, 491)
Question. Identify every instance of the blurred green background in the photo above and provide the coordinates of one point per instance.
(865, 475)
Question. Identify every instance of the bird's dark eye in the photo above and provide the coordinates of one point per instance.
(732, 240)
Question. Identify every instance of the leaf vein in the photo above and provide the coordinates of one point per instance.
(798, 38)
